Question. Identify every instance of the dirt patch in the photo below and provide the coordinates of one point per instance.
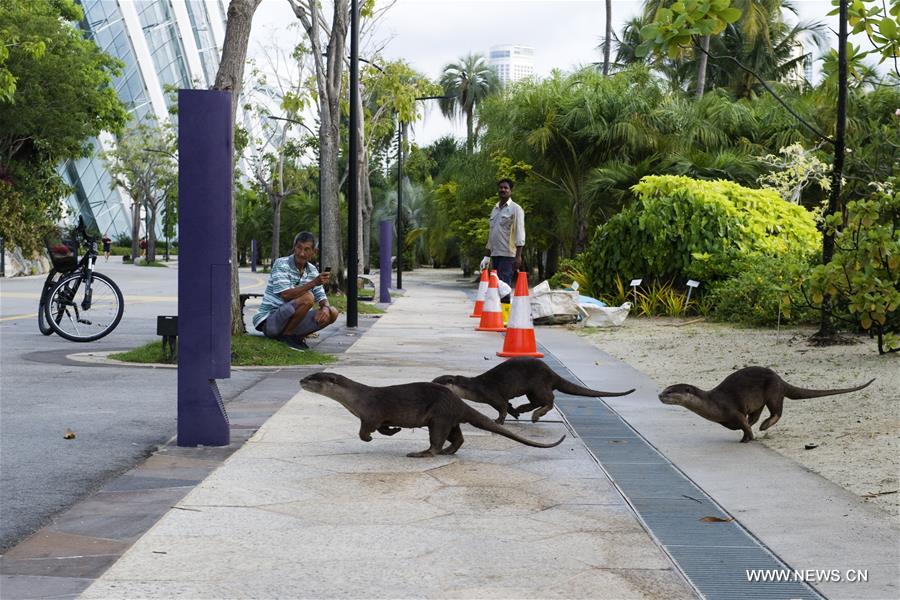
(856, 436)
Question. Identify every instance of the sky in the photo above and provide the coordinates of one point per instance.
(428, 34)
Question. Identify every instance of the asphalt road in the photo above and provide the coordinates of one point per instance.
(119, 414)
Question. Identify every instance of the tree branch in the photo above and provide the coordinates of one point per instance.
(770, 90)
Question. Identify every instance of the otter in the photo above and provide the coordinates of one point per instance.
(516, 377)
(737, 402)
(388, 409)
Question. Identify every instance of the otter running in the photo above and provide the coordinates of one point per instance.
(516, 377)
(387, 409)
(737, 402)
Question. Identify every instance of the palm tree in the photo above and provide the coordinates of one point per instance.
(466, 83)
(607, 38)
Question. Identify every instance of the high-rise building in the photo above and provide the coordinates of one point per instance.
(512, 62)
(162, 43)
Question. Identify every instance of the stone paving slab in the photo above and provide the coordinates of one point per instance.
(306, 509)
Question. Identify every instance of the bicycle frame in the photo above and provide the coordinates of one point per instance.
(85, 266)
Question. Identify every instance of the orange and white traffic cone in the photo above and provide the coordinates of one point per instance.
(520, 335)
(482, 290)
(491, 315)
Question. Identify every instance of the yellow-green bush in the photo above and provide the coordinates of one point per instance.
(683, 228)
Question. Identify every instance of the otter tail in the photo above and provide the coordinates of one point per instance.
(567, 387)
(796, 393)
(475, 418)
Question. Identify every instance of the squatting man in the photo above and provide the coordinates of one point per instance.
(294, 288)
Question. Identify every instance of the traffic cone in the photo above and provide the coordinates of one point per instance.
(482, 290)
(520, 335)
(491, 316)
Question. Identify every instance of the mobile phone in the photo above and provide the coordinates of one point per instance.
(328, 269)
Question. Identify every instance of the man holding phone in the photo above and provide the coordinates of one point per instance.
(294, 288)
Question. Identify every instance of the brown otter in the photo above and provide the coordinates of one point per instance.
(516, 377)
(387, 409)
(737, 402)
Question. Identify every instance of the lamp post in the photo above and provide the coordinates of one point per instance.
(353, 196)
(318, 178)
(400, 192)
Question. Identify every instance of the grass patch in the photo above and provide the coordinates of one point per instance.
(246, 351)
(339, 301)
(153, 263)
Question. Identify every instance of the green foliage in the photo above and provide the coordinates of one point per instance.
(683, 228)
(55, 94)
(758, 291)
(880, 24)
(29, 208)
(864, 275)
(572, 271)
(675, 25)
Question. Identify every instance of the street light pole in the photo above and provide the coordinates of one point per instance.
(353, 196)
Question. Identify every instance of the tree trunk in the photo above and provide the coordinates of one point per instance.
(135, 231)
(470, 142)
(276, 201)
(701, 66)
(552, 260)
(328, 85)
(151, 234)
(826, 326)
(230, 77)
(608, 39)
(364, 205)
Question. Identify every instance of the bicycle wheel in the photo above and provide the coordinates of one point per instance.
(78, 318)
(43, 325)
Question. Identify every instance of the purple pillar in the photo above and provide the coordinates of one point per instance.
(254, 255)
(204, 269)
(384, 260)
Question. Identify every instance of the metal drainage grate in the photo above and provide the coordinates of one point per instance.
(714, 556)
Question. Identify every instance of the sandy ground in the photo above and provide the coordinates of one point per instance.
(857, 435)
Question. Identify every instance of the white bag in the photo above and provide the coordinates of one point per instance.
(605, 316)
(503, 288)
(553, 306)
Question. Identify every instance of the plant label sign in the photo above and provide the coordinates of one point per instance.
(691, 283)
(635, 282)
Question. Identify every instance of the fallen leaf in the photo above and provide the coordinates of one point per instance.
(717, 520)
(69, 434)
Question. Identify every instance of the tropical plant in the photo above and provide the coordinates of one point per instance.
(55, 96)
(466, 83)
(683, 228)
(864, 275)
(756, 293)
(143, 165)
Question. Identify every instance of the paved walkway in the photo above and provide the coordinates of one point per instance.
(306, 509)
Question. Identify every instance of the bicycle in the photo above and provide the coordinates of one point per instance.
(78, 303)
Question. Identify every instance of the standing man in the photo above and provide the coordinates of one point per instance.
(295, 286)
(507, 236)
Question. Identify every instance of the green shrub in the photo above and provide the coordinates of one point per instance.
(682, 228)
(863, 277)
(757, 294)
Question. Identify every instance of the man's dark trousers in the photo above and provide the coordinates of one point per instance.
(505, 267)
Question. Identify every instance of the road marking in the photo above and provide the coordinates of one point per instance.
(14, 317)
